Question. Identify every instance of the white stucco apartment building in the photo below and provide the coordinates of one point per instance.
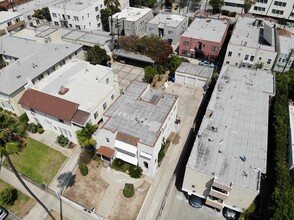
(284, 58)
(10, 21)
(76, 94)
(77, 14)
(168, 26)
(136, 125)
(131, 21)
(252, 43)
(229, 155)
(29, 60)
(274, 8)
(233, 6)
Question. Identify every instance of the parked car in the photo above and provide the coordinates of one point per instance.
(195, 201)
(206, 63)
(230, 214)
(3, 213)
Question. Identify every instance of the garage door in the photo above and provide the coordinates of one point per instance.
(200, 83)
(190, 81)
(180, 79)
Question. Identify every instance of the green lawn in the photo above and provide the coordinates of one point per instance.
(38, 161)
(22, 205)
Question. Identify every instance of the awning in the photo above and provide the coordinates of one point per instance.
(106, 151)
(127, 158)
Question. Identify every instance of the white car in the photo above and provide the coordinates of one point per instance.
(206, 63)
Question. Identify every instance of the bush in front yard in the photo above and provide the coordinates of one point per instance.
(83, 169)
(24, 118)
(33, 128)
(8, 195)
(87, 154)
(129, 190)
(62, 140)
(135, 172)
(132, 170)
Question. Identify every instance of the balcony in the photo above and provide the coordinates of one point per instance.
(214, 203)
(218, 194)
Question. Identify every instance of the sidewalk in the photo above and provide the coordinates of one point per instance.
(51, 202)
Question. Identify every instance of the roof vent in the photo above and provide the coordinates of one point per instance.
(208, 21)
(243, 158)
(63, 90)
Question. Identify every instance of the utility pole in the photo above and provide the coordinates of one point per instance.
(288, 59)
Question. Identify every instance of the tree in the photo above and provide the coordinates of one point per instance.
(148, 3)
(150, 72)
(173, 63)
(247, 5)
(8, 195)
(43, 13)
(216, 5)
(85, 135)
(113, 6)
(11, 142)
(105, 13)
(97, 55)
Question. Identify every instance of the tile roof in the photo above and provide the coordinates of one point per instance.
(127, 138)
(105, 151)
(48, 104)
(80, 117)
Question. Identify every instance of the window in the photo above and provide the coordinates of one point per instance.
(256, 8)
(97, 17)
(104, 105)
(107, 80)
(283, 61)
(283, 4)
(279, 12)
(76, 18)
(251, 58)
(56, 23)
(98, 25)
(186, 43)
(70, 25)
(227, 62)
(145, 164)
(68, 17)
(170, 32)
(260, 58)
(262, 1)
(239, 54)
(54, 15)
(89, 23)
(230, 53)
(78, 27)
(9, 23)
(213, 48)
(17, 20)
(82, 17)
(96, 8)
(112, 96)
(30, 17)
(107, 140)
(269, 61)
(236, 64)
(246, 57)
(96, 115)
(101, 6)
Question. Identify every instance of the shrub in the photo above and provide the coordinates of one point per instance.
(150, 72)
(62, 140)
(32, 128)
(129, 190)
(83, 169)
(40, 130)
(135, 172)
(232, 14)
(225, 12)
(160, 69)
(8, 196)
(87, 154)
(24, 118)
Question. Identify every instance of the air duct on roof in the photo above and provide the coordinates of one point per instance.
(63, 90)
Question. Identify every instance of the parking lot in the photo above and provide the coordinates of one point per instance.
(127, 73)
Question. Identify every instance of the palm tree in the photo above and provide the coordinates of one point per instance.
(113, 6)
(11, 141)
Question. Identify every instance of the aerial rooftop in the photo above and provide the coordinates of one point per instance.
(231, 144)
(168, 19)
(194, 69)
(209, 29)
(34, 59)
(83, 82)
(140, 112)
(254, 32)
(8, 15)
(286, 44)
(131, 13)
(76, 5)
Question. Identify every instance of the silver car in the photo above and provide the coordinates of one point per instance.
(3, 213)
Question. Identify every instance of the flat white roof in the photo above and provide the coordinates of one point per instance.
(83, 80)
(131, 13)
(209, 29)
(254, 32)
(231, 144)
(196, 70)
(140, 112)
(286, 44)
(8, 15)
(168, 19)
(291, 143)
(34, 59)
(76, 5)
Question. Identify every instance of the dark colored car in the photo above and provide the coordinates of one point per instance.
(230, 214)
(195, 201)
(3, 213)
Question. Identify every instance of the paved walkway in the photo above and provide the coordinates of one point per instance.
(116, 181)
